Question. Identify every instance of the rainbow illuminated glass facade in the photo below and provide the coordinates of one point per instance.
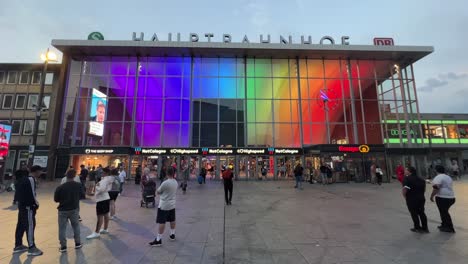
(217, 101)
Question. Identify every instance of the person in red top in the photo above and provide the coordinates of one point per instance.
(400, 172)
(228, 185)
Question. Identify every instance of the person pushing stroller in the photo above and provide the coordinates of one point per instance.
(148, 188)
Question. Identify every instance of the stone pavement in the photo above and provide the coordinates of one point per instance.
(269, 222)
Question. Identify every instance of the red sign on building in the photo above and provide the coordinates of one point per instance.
(383, 42)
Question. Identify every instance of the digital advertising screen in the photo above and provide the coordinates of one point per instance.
(5, 135)
(97, 113)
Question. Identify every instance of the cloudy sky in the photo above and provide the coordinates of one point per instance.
(27, 27)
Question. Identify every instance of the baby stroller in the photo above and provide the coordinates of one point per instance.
(149, 194)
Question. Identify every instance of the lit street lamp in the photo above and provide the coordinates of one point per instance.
(49, 56)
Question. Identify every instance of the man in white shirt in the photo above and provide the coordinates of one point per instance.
(166, 208)
(122, 177)
(445, 198)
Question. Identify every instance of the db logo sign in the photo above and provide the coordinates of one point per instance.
(383, 42)
(87, 151)
(364, 149)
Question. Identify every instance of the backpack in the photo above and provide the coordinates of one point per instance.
(115, 184)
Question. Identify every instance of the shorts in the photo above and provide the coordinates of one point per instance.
(113, 195)
(165, 216)
(103, 207)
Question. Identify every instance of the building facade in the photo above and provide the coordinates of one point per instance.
(19, 92)
(250, 105)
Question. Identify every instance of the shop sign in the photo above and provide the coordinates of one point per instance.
(289, 151)
(395, 133)
(103, 151)
(384, 42)
(41, 161)
(250, 151)
(218, 151)
(99, 151)
(184, 151)
(146, 151)
(354, 149)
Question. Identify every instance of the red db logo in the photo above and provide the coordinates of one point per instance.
(383, 42)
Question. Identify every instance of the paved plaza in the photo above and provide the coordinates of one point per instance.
(269, 222)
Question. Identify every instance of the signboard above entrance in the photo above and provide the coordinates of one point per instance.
(217, 151)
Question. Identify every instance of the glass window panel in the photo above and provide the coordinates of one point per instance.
(196, 111)
(463, 131)
(208, 134)
(2, 77)
(294, 87)
(99, 66)
(152, 135)
(127, 128)
(296, 133)
(172, 110)
(12, 77)
(315, 69)
(306, 107)
(452, 131)
(209, 67)
(32, 101)
(240, 67)
(307, 133)
(24, 78)
(304, 89)
(49, 79)
(197, 66)
(366, 69)
(153, 66)
(175, 66)
(303, 68)
(131, 82)
(28, 127)
(20, 101)
(16, 127)
(293, 69)
(250, 67)
(283, 135)
(36, 78)
(112, 134)
(263, 88)
(240, 135)
(240, 110)
(337, 133)
(154, 87)
(264, 136)
(280, 67)
(227, 110)
(227, 134)
(319, 133)
(251, 105)
(138, 134)
(251, 88)
(195, 135)
(115, 109)
(282, 110)
(227, 87)
(240, 87)
(332, 69)
(281, 88)
(315, 85)
(263, 111)
(317, 111)
(184, 135)
(197, 87)
(186, 87)
(119, 66)
(227, 67)
(171, 135)
(153, 110)
(262, 67)
(209, 88)
(209, 110)
(173, 87)
(117, 86)
(185, 110)
(295, 111)
(251, 135)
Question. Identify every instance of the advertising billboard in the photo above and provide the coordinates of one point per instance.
(97, 113)
(5, 135)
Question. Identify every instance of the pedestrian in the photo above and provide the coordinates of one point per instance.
(102, 204)
(298, 171)
(68, 197)
(264, 172)
(329, 174)
(203, 174)
(444, 198)
(99, 173)
(228, 184)
(76, 178)
(19, 175)
(83, 176)
(413, 192)
(455, 170)
(378, 175)
(162, 174)
(185, 176)
(166, 208)
(91, 181)
(323, 173)
(114, 191)
(400, 172)
(27, 208)
(373, 172)
(122, 177)
(138, 174)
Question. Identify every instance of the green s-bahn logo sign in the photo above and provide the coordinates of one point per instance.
(95, 36)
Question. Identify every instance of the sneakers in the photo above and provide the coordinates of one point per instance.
(78, 245)
(104, 231)
(63, 249)
(156, 243)
(112, 217)
(20, 249)
(447, 230)
(93, 235)
(34, 252)
(172, 237)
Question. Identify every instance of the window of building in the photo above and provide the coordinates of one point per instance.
(2, 77)
(7, 101)
(28, 127)
(16, 127)
(24, 77)
(463, 131)
(12, 76)
(10, 162)
(42, 127)
(20, 101)
(46, 102)
(32, 101)
(451, 131)
(49, 78)
(36, 78)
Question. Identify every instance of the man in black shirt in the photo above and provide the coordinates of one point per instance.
(83, 176)
(27, 207)
(413, 191)
(68, 197)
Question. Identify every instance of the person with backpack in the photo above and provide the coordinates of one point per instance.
(114, 192)
(228, 184)
(298, 171)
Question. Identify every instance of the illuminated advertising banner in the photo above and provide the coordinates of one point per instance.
(5, 135)
(97, 113)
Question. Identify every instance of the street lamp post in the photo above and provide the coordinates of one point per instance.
(325, 100)
(48, 57)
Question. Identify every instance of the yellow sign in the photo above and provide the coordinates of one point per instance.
(364, 149)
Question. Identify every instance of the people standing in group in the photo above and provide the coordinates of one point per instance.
(91, 181)
(298, 171)
(166, 208)
(113, 192)
(400, 172)
(122, 177)
(228, 184)
(185, 175)
(102, 204)
(413, 192)
(378, 174)
(68, 197)
(83, 177)
(27, 208)
(138, 174)
(444, 198)
(323, 173)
